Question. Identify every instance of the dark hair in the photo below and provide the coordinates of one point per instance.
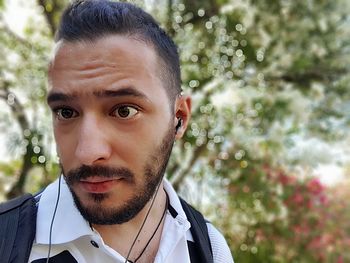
(92, 19)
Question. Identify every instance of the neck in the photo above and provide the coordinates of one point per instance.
(121, 236)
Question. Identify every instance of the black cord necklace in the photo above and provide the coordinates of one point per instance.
(154, 232)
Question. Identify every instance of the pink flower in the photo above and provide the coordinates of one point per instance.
(309, 204)
(315, 243)
(301, 230)
(298, 198)
(284, 179)
(314, 186)
(324, 200)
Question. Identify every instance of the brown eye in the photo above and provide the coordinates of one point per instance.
(125, 112)
(65, 113)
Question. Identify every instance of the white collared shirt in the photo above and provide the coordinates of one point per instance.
(73, 234)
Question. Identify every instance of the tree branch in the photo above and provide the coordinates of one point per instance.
(50, 13)
(5, 28)
(307, 76)
(180, 177)
(18, 112)
(211, 8)
(15, 106)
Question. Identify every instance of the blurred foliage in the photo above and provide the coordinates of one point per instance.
(264, 76)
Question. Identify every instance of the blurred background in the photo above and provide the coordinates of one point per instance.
(267, 153)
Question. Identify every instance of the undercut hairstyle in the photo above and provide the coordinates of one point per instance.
(90, 20)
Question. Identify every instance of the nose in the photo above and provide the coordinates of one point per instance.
(93, 146)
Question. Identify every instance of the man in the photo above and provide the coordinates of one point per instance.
(117, 108)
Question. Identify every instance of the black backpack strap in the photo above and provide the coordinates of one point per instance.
(199, 232)
(18, 213)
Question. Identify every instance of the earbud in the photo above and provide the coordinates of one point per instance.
(178, 125)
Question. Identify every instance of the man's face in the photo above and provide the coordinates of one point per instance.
(113, 125)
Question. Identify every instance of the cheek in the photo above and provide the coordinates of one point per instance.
(131, 148)
(65, 147)
(134, 149)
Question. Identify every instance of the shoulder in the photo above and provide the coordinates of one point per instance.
(16, 203)
(221, 251)
(17, 228)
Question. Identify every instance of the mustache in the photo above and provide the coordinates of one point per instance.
(85, 171)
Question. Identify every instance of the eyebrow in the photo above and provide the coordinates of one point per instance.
(57, 96)
(129, 91)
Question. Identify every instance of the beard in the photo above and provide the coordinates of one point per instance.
(153, 173)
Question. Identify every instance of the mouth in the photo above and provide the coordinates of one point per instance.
(99, 185)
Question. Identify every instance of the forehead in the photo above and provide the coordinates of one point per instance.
(113, 51)
(109, 62)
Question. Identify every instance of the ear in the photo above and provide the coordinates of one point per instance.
(182, 111)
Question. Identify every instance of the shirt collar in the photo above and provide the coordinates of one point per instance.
(174, 201)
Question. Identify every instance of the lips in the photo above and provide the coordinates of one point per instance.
(99, 185)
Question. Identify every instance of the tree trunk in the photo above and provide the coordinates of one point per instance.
(19, 115)
(18, 188)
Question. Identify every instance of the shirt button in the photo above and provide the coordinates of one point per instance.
(94, 244)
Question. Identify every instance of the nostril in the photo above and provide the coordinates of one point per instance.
(90, 151)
